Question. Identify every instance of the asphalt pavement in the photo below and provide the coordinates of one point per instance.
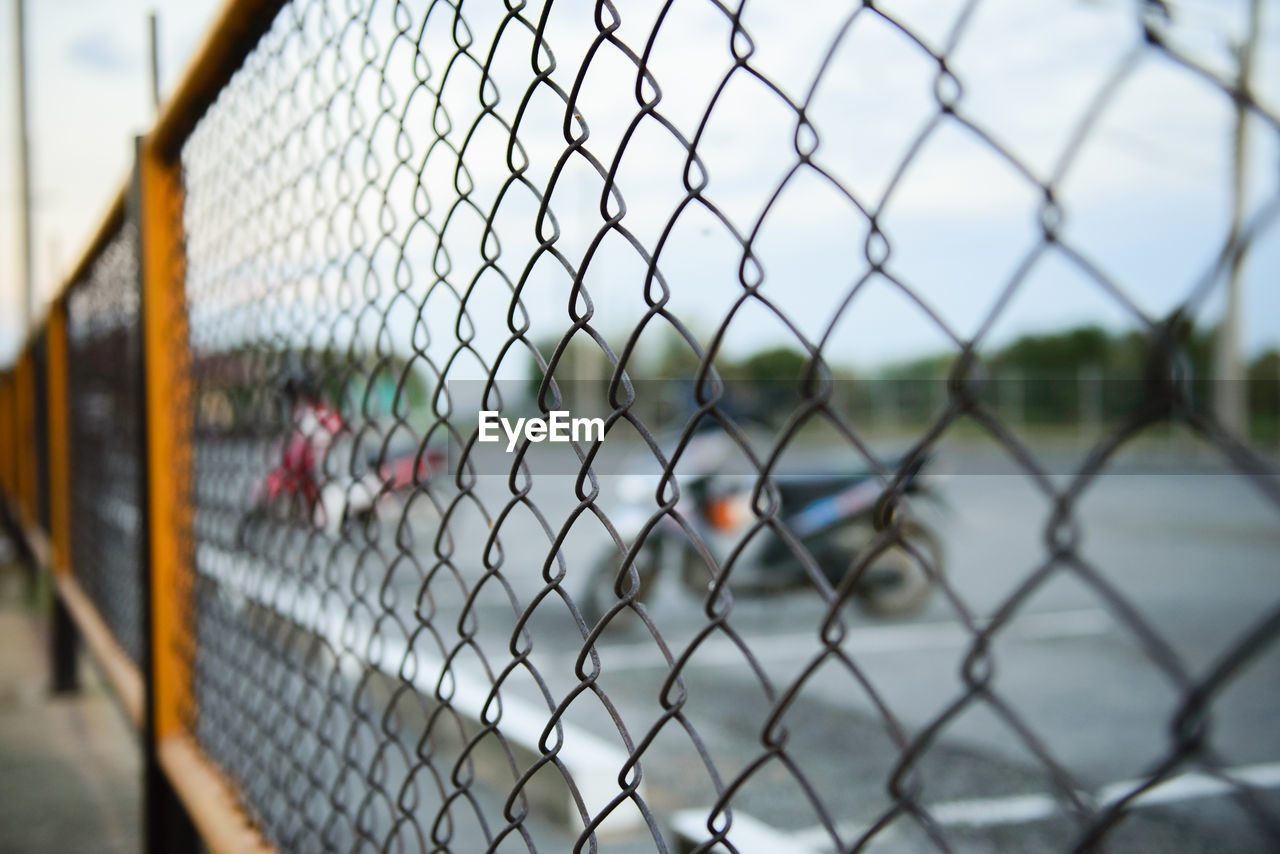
(1076, 696)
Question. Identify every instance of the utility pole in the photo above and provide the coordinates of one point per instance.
(153, 39)
(1231, 400)
(26, 277)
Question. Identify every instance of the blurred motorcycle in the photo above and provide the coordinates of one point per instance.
(293, 490)
(831, 517)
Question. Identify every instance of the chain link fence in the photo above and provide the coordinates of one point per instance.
(738, 609)
(105, 408)
(397, 216)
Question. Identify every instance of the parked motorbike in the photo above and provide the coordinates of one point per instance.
(830, 515)
(293, 490)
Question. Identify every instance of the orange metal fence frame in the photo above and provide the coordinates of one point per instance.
(209, 799)
(59, 440)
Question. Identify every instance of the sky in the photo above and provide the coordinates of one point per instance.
(89, 94)
(1147, 195)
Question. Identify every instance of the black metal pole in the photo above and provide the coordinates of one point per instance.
(64, 642)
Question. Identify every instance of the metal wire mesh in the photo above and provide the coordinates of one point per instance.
(389, 202)
(104, 345)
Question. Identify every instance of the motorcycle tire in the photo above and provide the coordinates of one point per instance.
(249, 523)
(598, 596)
(896, 584)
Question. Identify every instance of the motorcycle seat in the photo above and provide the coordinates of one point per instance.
(798, 490)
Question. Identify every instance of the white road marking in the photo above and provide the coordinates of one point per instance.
(1193, 785)
(907, 637)
(1022, 809)
(985, 812)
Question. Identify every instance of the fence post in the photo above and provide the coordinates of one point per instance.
(28, 497)
(64, 638)
(25, 463)
(6, 436)
(157, 197)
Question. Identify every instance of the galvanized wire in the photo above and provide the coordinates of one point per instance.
(384, 193)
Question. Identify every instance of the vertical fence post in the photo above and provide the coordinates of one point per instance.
(11, 436)
(6, 437)
(26, 429)
(64, 637)
(165, 427)
(28, 499)
(8, 451)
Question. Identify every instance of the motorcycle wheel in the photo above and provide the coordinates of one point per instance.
(598, 596)
(895, 584)
(248, 523)
(354, 522)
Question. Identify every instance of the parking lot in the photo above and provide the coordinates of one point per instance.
(1184, 555)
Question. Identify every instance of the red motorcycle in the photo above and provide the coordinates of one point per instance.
(296, 491)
